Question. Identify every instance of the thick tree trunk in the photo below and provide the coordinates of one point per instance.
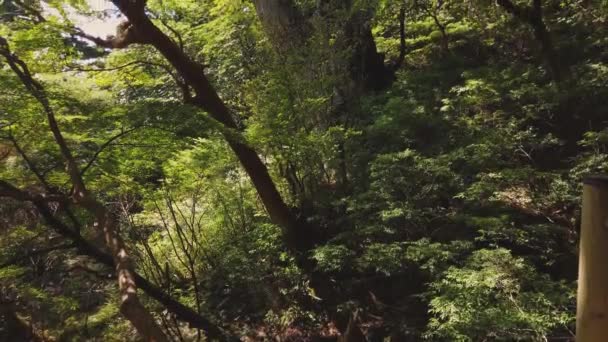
(533, 16)
(283, 23)
(358, 63)
(365, 65)
(287, 28)
(547, 49)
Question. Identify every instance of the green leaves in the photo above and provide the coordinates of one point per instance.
(452, 196)
(333, 258)
(496, 295)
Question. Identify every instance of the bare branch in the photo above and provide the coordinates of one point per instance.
(133, 63)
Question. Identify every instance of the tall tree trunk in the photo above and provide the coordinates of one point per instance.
(365, 65)
(548, 51)
(533, 16)
(355, 58)
(287, 28)
(283, 23)
(402, 46)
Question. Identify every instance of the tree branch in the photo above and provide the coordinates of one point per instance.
(29, 163)
(175, 32)
(36, 252)
(104, 146)
(84, 247)
(38, 92)
(533, 16)
(31, 10)
(296, 233)
(41, 177)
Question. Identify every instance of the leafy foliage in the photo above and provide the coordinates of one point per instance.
(442, 203)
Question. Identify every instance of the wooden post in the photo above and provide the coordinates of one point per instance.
(592, 297)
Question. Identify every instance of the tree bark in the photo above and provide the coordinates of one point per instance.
(358, 64)
(533, 16)
(287, 28)
(365, 64)
(283, 23)
(548, 51)
(402, 46)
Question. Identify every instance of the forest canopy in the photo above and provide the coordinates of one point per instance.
(296, 170)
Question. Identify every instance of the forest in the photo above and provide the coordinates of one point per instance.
(296, 170)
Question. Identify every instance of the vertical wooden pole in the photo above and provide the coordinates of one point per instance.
(592, 297)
